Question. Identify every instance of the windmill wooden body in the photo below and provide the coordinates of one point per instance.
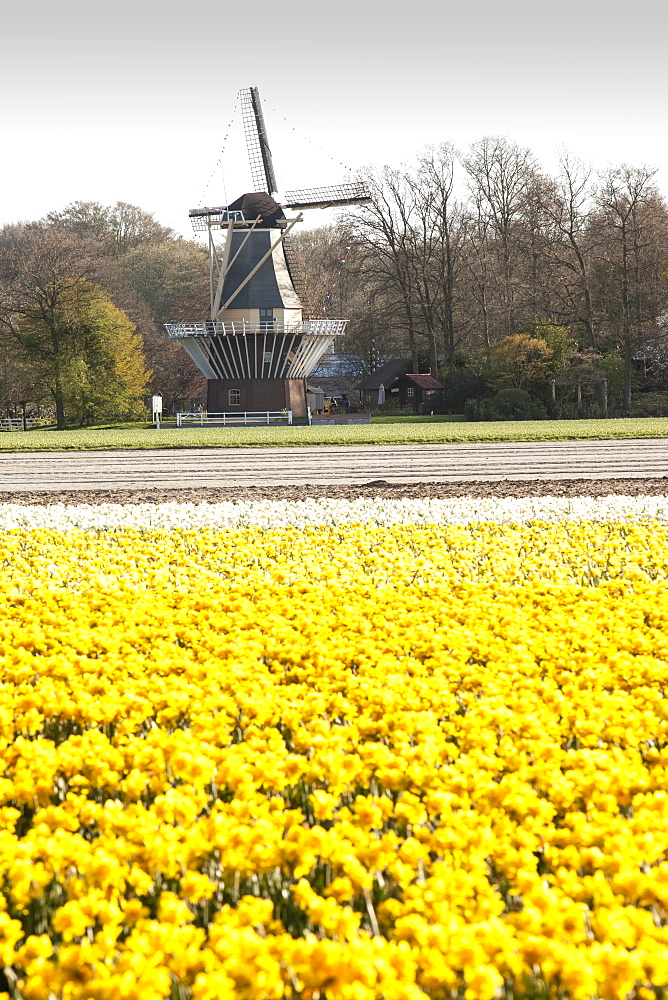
(257, 348)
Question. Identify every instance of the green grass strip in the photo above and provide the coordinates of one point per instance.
(411, 432)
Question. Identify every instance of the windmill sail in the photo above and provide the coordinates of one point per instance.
(298, 276)
(356, 193)
(259, 154)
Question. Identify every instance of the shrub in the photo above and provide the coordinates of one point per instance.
(509, 404)
(461, 384)
(612, 366)
(391, 407)
(516, 404)
(650, 404)
(520, 360)
(480, 409)
(569, 410)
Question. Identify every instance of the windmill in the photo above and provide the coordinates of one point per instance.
(257, 348)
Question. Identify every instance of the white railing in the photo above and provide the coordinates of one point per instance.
(237, 328)
(17, 424)
(239, 417)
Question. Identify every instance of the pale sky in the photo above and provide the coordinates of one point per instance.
(131, 102)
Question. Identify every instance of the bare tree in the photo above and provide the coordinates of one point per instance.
(567, 205)
(317, 259)
(500, 174)
(386, 237)
(19, 381)
(412, 236)
(634, 220)
(441, 242)
(477, 257)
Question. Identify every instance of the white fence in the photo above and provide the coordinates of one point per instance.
(207, 419)
(17, 423)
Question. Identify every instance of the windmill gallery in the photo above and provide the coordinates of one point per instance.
(258, 348)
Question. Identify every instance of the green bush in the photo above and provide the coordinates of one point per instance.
(517, 404)
(392, 407)
(612, 366)
(480, 409)
(509, 404)
(461, 384)
(650, 404)
(569, 410)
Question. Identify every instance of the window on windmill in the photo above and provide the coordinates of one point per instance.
(234, 397)
(410, 391)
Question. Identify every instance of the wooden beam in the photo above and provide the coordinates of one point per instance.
(222, 272)
(211, 257)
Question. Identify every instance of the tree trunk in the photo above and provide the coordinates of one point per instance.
(628, 370)
(413, 349)
(58, 397)
(485, 327)
(433, 356)
(626, 326)
(449, 311)
(60, 413)
(589, 309)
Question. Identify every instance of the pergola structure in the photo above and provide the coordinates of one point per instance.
(582, 377)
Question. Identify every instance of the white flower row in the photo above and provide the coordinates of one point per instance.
(314, 512)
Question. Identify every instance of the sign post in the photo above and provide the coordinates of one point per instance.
(157, 410)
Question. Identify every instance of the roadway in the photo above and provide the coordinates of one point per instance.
(428, 463)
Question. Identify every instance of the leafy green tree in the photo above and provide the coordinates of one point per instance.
(115, 230)
(98, 369)
(154, 276)
(170, 280)
(520, 362)
(172, 277)
(106, 374)
(558, 338)
(44, 280)
(17, 380)
(76, 342)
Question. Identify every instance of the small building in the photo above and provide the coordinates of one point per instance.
(370, 385)
(424, 393)
(315, 397)
(342, 388)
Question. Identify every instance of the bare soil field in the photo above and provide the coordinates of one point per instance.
(376, 488)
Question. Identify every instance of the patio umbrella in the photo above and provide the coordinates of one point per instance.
(381, 394)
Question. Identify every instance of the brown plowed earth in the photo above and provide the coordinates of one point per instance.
(377, 488)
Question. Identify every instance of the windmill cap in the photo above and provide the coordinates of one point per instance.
(258, 203)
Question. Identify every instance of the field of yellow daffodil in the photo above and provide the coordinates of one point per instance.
(335, 760)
